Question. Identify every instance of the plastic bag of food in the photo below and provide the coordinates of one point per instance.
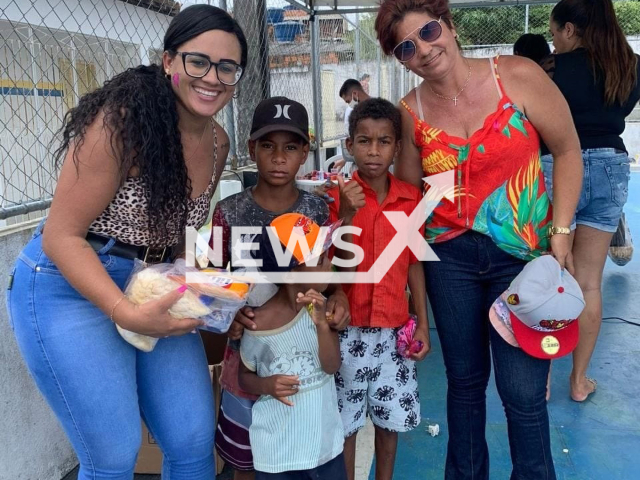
(621, 247)
(214, 299)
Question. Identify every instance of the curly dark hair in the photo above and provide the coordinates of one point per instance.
(376, 109)
(139, 109)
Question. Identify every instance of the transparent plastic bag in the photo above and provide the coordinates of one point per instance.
(215, 299)
(621, 247)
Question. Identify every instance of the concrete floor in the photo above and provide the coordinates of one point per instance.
(596, 440)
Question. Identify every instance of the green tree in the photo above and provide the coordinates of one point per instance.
(504, 24)
(367, 47)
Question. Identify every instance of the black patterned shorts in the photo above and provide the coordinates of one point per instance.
(376, 380)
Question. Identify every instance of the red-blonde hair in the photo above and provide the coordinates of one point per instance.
(391, 12)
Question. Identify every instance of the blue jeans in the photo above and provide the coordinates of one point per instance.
(98, 385)
(471, 274)
(605, 187)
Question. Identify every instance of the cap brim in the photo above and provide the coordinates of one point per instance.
(556, 344)
(279, 128)
(500, 319)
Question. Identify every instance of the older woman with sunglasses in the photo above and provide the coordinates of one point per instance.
(141, 157)
(482, 120)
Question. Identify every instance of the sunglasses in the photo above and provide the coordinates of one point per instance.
(429, 32)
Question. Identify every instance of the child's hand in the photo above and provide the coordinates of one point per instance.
(242, 320)
(351, 198)
(282, 386)
(316, 303)
(421, 335)
(338, 312)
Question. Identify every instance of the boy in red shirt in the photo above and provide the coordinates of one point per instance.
(375, 379)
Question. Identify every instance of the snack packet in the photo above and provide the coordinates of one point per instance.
(215, 299)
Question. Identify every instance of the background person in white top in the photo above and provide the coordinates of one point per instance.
(352, 92)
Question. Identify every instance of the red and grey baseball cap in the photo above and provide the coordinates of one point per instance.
(278, 114)
(540, 309)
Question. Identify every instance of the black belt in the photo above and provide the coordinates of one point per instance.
(124, 250)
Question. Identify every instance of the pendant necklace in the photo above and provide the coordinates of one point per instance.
(455, 97)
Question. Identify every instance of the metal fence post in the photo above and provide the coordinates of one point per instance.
(36, 98)
(255, 84)
(379, 66)
(317, 86)
(229, 122)
(357, 46)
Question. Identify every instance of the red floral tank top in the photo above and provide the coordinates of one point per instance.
(499, 188)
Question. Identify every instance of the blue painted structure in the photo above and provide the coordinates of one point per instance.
(287, 31)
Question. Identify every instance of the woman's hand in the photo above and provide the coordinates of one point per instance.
(561, 249)
(153, 318)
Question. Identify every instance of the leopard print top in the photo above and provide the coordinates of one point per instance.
(126, 217)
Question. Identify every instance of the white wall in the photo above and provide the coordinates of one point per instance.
(110, 19)
(32, 444)
(39, 36)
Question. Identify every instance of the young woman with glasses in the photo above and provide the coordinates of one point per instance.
(597, 72)
(481, 120)
(140, 159)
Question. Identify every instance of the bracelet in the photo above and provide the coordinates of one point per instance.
(113, 309)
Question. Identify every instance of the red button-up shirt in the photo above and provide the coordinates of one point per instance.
(383, 304)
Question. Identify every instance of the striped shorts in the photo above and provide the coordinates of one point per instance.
(232, 434)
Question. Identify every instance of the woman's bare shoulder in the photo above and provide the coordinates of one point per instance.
(513, 68)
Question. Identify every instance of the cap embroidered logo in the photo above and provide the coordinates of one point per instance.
(280, 111)
(550, 345)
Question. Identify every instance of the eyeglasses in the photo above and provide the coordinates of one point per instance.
(197, 65)
(429, 32)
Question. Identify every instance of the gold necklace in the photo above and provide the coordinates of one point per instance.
(455, 97)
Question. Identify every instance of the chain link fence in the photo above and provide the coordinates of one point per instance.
(54, 51)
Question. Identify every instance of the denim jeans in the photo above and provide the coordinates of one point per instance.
(98, 385)
(471, 274)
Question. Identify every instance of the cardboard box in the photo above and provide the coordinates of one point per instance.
(150, 455)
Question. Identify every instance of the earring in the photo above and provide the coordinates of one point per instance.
(236, 95)
(406, 68)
